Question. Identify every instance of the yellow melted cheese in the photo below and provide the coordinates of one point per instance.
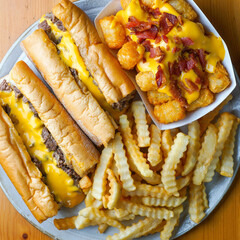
(69, 53)
(30, 129)
(210, 43)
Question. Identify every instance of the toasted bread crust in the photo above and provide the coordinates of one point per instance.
(78, 149)
(78, 101)
(22, 172)
(106, 70)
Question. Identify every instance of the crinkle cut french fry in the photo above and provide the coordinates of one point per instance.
(89, 199)
(227, 162)
(167, 142)
(158, 229)
(142, 227)
(142, 210)
(205, 155)
(115, 170)
(139, 114)
(193, 147)
(154, 151)
(65, 223)
(196, 202)
(115, 190)
(122, 164)
(224, 124)
(102, 227)
(99, 180)
(135, 155)
(82, 222)
(99, 216)
(168, 228)
(168, 173)
(205, 120)
(183, 181)
(205, 199)
(119, 214)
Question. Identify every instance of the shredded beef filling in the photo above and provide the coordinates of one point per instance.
(56, 21)
(48, 140)
(124, 103)
(4, 86)
(37, 163)
(6, 108)
(17, 92)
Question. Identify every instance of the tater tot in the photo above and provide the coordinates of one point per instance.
(130, 54)
(148, 3)
(206, 98)
(146, 81)
(219, 80)
(125, 3)
(156, 98)
(171, 111)
(113, 32)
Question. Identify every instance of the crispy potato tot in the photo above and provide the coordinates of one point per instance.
(139, 114)
(168, 112)
(65, 223)
(142, 210)
(193, 147)
(227, 162)
(146, 81)
(206, 98)
(205, 155)
(168, 173)
(102, 228)
(224, 124)
(157, 98)
(168, 228)
(99, 216)
(130, 54)
(125, 3)
(196, 202)
(135, 155)
(158, 202)
(167, 142)
(122, 164)
(219, 80)
(184, 8)
(205, 120)
(136, 230)
(113, 31)
(100, 178)
(85, 182)
(115, 191)
(154, 151)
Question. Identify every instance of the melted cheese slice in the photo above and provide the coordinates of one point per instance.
(210, 43)
(30, 130)
(70, 55)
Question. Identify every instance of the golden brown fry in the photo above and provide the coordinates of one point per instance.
(205, 155)
(206, 98)
(85, 182)
(142, 210)
(136, 158)
(224, 124)
(168, 228)
(227, 162)
(219, 80)
(136, 230)
(154, 151)
(139, 114)
(205, 199)
(171, 111)
(120, 214)
(89, 199)
(205, 120)
(197, 203)
(168, 173)
(99, 180)
(65, 223)
(113, 32)
(146, 81)
(130, 54)
(193, 147)
(155, 97)
(102, 228)
(167, 142)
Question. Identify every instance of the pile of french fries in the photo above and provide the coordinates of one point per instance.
(147, 172)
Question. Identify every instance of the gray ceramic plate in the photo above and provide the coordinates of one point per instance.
(215, 190)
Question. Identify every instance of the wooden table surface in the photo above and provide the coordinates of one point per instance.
(17, 15)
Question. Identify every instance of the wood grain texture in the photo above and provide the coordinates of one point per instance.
(17, 15)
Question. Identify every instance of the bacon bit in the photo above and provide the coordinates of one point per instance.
(191, 85)
(167, 22)
(198, 80)
(158, 39)
(177, 40)
(176, 49)
(176, 93)
(180, 19)
(132, 22)
(182, 64)
(144, 60)
(161, 58)
(147, 45)
(156, 52)
(155, 12)
(183, 86)
(187, 41)
(129, 39)
(167, 48)
(174, 69)
(191, 63)
(202, 60)
(165, 38)
(148, 34)
(160, 77)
